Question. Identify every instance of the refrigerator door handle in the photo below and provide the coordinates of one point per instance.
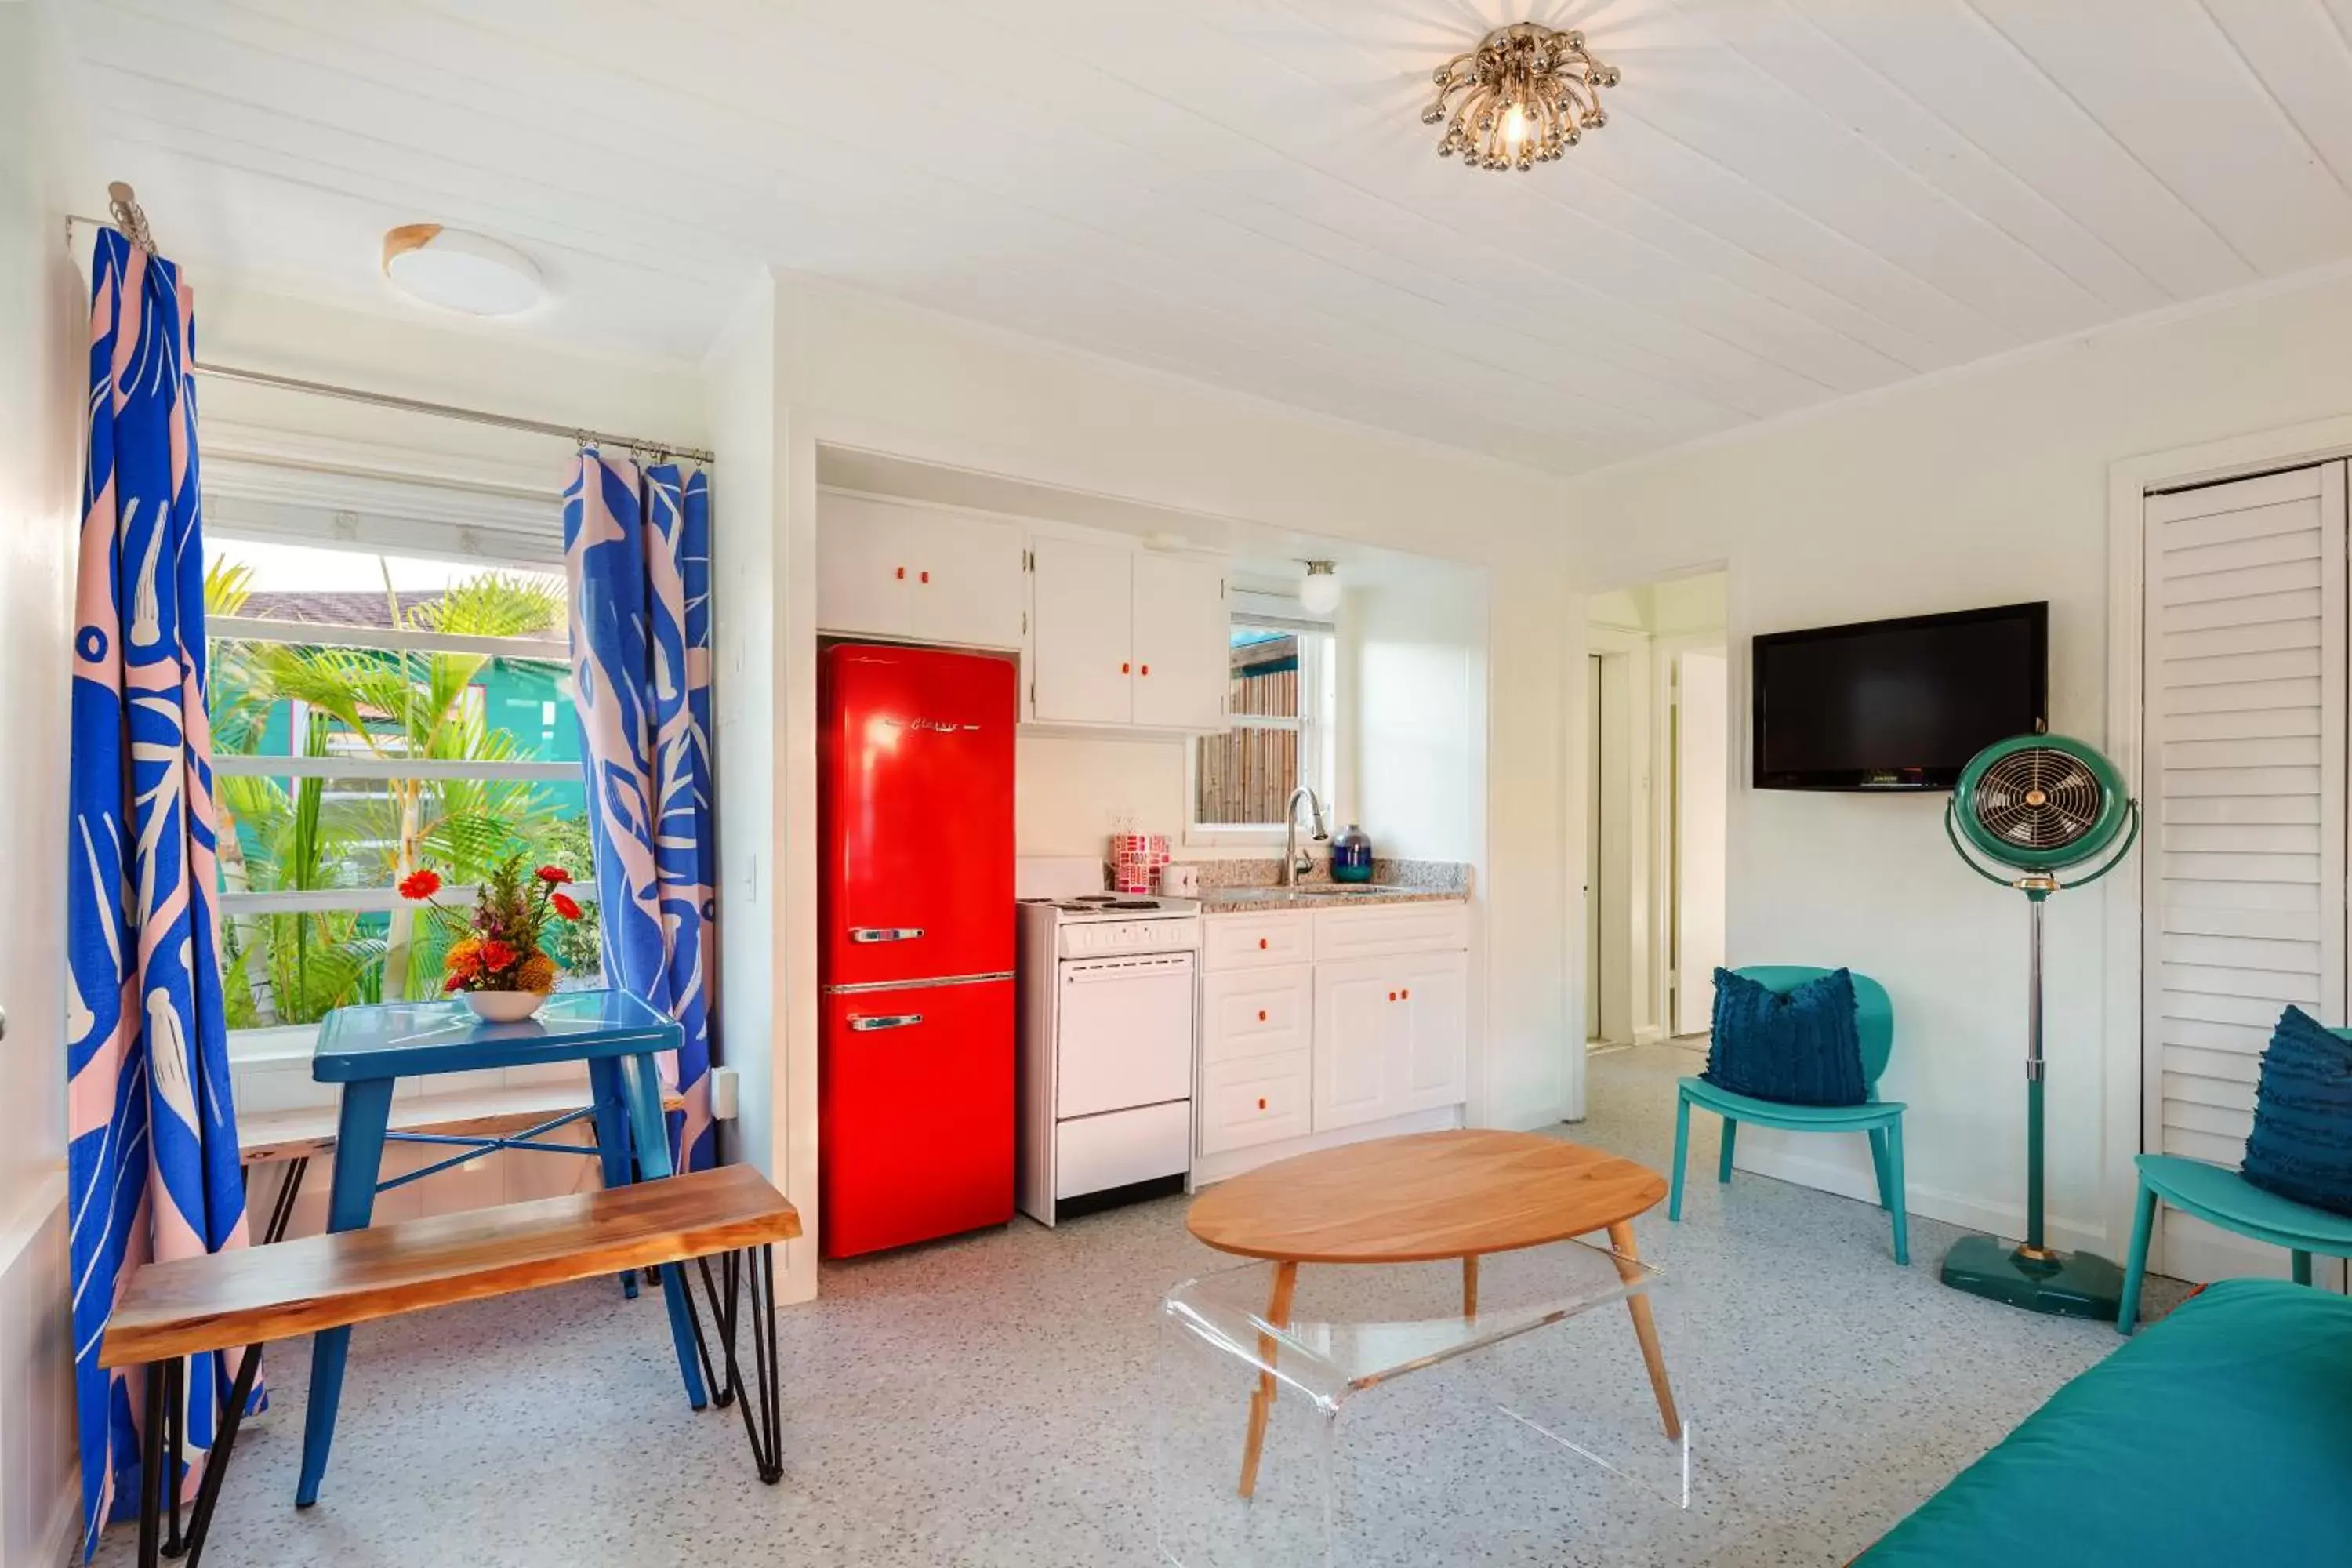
(885, 934)
(866, 1023)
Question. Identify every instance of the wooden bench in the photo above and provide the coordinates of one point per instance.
(512, 1117)
(193, 1306)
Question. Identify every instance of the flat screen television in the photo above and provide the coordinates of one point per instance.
(1899, 704)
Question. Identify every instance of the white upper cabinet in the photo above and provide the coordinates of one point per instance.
(1181, 640)
(918, 572)
(1083, 667)
(1116, 635)
(968, 588)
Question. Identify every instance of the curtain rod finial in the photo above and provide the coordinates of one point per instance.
(124, 205)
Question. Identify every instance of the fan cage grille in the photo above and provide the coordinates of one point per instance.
(2039, 799)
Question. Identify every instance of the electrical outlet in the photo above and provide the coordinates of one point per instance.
(726, 1094)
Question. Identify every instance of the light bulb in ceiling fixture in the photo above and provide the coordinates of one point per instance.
(1514, 124)
(1319, 593)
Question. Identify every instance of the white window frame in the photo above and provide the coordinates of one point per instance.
(1317, 731)
(281, 1043)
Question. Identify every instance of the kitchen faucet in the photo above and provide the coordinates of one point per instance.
(1294, 859)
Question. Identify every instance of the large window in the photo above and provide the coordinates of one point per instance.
(373, 715)
(1282, 697)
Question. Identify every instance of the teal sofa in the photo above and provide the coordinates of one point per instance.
(2221, 1435)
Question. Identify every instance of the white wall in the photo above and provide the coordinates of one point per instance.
(1978, 488)
(44, 319)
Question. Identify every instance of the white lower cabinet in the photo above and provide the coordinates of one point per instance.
(1390, 1036)
(1290, 1050)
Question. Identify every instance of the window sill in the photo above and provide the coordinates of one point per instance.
(288, 1046)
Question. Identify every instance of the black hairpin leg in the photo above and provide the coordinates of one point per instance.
(764, 1428)
(159, 1465)
(281, 1212)
(216, 1463)
(151, 1472)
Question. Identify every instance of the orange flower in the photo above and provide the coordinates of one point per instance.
(466, 956)
(496, 954)
(537, 974)
(566, 906)
(420, 884)
(553, 874)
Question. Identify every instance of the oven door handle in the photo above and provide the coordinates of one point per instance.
(868, 1023)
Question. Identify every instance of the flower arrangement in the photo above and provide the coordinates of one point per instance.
(497, 946)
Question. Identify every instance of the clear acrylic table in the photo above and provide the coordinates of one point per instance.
(1402, 1430)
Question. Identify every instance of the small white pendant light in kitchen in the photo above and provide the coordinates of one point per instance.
(457, 270)
(1319, 593)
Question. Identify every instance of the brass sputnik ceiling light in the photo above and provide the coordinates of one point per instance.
(1521, 97)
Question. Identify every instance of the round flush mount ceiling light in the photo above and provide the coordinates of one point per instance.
(457, 270)
(1523, 97)
(1319, 593)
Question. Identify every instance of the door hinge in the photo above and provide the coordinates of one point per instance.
(1028, 561)
(1221, 589)
(1033, 696)
(1025, 623)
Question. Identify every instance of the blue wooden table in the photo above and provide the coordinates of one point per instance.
(368, 1050)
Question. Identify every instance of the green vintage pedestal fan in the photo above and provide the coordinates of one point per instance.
(2034, 806)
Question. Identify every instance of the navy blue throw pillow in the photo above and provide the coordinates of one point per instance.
(1799, 1046)
(2301, 1142)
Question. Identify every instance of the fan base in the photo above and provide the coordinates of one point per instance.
(2063, 1284)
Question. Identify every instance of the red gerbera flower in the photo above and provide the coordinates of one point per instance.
(496, 954)
(454, 982)
(420, 884)
(566, 906)
(553, 874)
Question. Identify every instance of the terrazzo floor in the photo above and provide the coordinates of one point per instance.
(990, 1401)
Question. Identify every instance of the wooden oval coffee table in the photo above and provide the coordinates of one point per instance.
(1423, 1197)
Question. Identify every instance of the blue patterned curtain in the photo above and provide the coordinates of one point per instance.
(636, 547)
(153, 1156)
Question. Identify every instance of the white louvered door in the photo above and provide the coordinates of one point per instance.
(2243, 782)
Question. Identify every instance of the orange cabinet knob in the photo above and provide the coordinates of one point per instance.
(1391, 995)
(1406, 993)
(926, 576)
(1146, 669)
(1261, 1105)
(902, 574)
(1124, 668)
(1261, 1014)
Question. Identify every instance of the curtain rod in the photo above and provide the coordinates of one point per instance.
(586, 437)
(132, 223)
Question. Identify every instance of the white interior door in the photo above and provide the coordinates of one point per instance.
(2244, 770)
(1592, 771)
(1702, 788)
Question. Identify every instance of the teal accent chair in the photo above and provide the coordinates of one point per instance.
(1881, 1118)
(2220, 1195)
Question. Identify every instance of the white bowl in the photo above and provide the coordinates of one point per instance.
(504, 1006)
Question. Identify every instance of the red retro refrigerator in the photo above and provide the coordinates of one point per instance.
(916, 951)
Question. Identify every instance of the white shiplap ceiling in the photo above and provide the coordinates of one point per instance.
(1793, 201)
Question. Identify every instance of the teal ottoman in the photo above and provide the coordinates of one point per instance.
(2222, 1434)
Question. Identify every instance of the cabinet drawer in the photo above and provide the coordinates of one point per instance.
(1256, 1013)
(1259, 941)
(1094, 1154)
(1263, 1100)
(1392, 928)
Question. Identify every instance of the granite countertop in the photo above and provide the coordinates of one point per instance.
(1321, 895)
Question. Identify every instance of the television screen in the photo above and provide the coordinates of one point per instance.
(1898, 704)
